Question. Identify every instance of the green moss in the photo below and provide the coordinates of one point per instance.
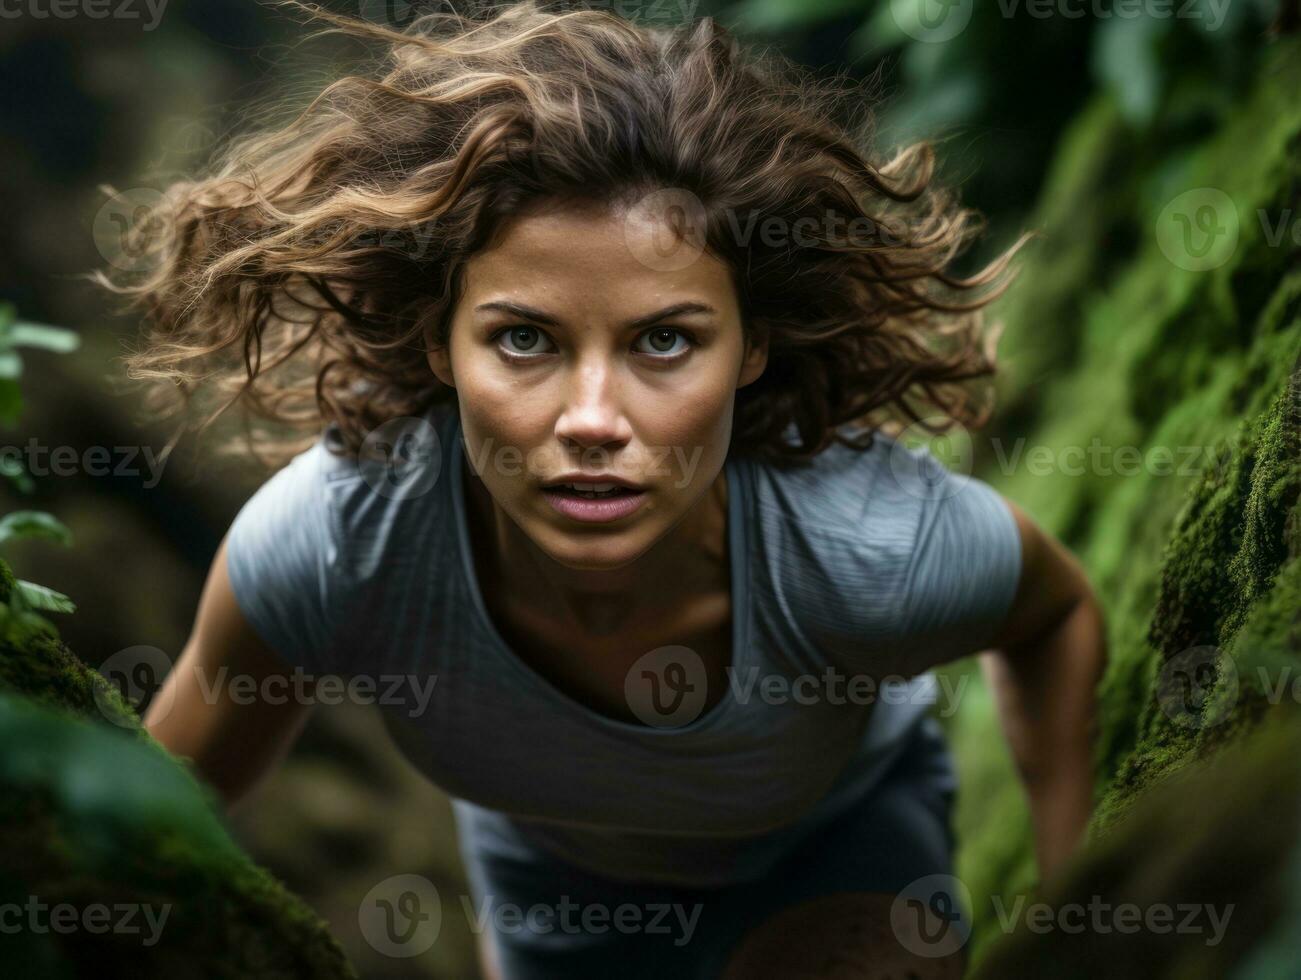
(1110, 343)
(1224, 561)
(1237, 826)
(7, 581)
(1229, 541)
(47, 672)
(92, 815)
(93, 810)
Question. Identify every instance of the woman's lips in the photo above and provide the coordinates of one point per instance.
(594, 510)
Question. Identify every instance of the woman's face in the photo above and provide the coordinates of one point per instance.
(575, 349)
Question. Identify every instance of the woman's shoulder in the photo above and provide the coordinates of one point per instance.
(393, 494)
(333, 533)
(358, 509)
(883, 543)
(848, 489)
(398, 460)
(831, 542)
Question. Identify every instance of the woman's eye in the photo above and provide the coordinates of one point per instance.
(662, 341)
(527, 340)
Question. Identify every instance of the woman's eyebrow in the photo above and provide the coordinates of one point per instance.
(538, 316)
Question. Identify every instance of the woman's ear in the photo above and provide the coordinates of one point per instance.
(440, 362)
(754, 362)
(439, 357)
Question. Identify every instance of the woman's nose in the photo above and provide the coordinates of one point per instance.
(593, 414)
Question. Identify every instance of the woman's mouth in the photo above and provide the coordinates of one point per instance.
(594, 502)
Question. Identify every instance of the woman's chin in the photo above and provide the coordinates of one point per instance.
(586, 549)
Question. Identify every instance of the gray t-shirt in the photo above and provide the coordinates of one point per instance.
(863, 567)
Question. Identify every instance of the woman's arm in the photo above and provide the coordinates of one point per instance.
(1044, 668)
(232, 741)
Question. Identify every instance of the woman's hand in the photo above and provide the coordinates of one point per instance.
(1044, 670)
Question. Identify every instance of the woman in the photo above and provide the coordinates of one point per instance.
(599, 331)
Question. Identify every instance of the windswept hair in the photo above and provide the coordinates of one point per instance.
(307, 272)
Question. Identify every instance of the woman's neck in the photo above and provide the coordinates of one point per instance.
(690, 561)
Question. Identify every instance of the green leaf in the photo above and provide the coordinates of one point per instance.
(43, 597)
(18, 625)
(42, 335)
(17, 474)
(33, 524)
(11, 365)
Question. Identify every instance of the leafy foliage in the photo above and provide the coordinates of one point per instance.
(1108, 339)
(1003, 89)
(20, 612)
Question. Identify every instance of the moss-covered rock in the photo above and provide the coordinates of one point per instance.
(1193, 539)
(48, 673)
(1196, 883)
(96, 814)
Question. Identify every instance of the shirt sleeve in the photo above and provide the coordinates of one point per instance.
(280, 557)
(964, 571)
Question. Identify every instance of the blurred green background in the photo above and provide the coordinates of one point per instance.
(1075, 119)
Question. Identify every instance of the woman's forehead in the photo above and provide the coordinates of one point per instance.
(559, 252)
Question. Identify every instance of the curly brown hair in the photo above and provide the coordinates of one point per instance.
(328, 251)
